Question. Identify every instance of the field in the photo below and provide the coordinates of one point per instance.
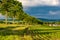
(29, 32)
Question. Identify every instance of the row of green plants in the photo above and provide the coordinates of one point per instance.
(20, 35)
(7, 33)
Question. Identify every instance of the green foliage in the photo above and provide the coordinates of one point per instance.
(11, 6)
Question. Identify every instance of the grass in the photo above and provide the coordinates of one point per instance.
(26, 32)
(43, 27)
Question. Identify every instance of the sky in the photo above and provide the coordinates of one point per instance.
(49, 9)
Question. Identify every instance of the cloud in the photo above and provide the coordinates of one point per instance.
(29, 3)
(54, 12)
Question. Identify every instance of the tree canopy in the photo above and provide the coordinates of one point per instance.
(11, 6)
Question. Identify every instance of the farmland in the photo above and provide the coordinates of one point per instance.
(16, 24)
(33, 32)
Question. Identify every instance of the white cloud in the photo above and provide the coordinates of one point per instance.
(54, 12)
(39, 2)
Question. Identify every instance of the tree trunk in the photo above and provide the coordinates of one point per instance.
(6, 17)
(13, 19)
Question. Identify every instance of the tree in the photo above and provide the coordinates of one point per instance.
(4, 7)
(16, 10)
(10, 7)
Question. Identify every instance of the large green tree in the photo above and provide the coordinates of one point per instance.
(10, 8)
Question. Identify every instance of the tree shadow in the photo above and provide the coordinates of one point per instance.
(9, 31)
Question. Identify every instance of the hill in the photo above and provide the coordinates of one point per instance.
(49, 20)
